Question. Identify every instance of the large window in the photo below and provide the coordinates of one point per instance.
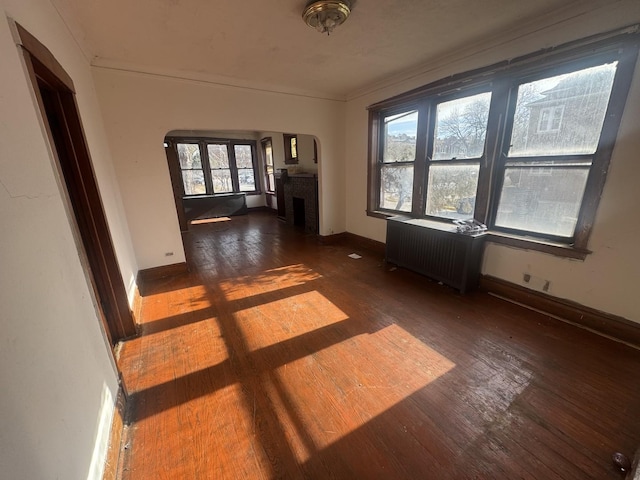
(210, 167)
(522, 147)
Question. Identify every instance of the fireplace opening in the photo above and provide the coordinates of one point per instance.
(298, 212)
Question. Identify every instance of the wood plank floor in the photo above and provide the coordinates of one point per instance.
(278, 357)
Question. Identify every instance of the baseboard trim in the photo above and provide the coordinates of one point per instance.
(156, 273)
(603, 323)
(354, 241)
(112, 462)
(332, 239)
(378, 248)
(262, 209)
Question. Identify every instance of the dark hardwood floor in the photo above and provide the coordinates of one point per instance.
(278, 357)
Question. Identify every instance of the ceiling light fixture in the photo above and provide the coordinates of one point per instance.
(325, 15)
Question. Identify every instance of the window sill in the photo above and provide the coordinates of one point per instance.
(522, 242)
(384, 215)
(221, 195)
(529, 243)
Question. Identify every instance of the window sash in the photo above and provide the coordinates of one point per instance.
(503, 81)
(269, 169)
(214, 182)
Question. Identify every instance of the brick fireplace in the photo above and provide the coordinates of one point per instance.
(301, 201)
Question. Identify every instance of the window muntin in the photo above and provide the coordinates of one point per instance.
(396, 163)
(244, 164)
(562, 114)
(562, 154)
(191, 168)
(461, 127)
(536, 200)
(396, 186)
(219, 166)
(220, 169)
(399, 137)
(557, 124)
(451, 191)
(460, 130)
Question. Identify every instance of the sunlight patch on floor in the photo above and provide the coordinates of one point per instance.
(202, 221)
(356, 390)
(274, 322)
(187, 348)
(269, 281)
(162, 305)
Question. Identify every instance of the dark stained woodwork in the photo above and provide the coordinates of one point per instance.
(621, 44)
(53, 89)
(604, 323)
(150, 274)
(278, 356)
(280, 178)
(176, 182)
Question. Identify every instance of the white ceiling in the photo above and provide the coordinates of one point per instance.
(266, 43)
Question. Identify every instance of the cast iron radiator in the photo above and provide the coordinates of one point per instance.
(436, 250)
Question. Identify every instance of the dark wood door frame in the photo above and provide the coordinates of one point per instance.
(55, 95)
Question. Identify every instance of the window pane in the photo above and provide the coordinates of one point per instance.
(193, 181)
(218, 155)
(542, 199)
(268, 154)
(396, 187)
(271, 181)
(461, 127)
(451, 192)
(221, 181)
(244, 159)
(189, 155)
(294, 147)
(246, 179)
(400, 137)
(562, 115)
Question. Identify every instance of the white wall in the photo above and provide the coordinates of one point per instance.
(58, 380)
(608, 279)
(140, 109)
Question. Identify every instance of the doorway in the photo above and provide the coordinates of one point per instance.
(55, 94)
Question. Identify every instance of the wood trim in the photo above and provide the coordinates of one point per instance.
(354, 241)
(566, 251)
(289, 159)
(262, 208)
(56, 101)
(598, 176)
(332, 239)
(112, 462)
(176, 182)
(480, 76)
(45, 57)
(155, 273)
(365, 243)
(603, 323)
